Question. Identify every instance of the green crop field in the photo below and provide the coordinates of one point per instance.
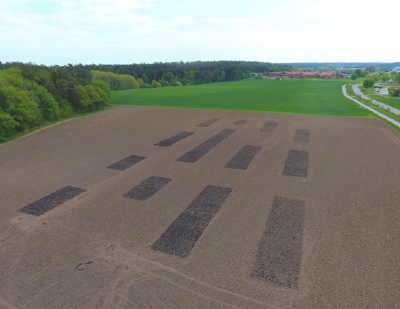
(315, 97)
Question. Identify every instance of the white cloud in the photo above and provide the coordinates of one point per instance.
(106, 6)
(257, 36)
(311, 30)
(232, 22)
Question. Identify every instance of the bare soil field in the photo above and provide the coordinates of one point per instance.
(147, 207)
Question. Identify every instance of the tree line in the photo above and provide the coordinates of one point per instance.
(179, 73)
(31, 95)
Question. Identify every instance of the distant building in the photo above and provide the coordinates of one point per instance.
(310, 74)
(342, 69)
(315, 74)
(294, 74)
(396, 69)
(327, 74)
(274, 74)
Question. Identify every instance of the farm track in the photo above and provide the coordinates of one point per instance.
(299, 214)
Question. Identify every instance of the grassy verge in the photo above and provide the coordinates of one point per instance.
(387, 99)
(367, 91)
(350, 90)
(48, 124)
(382, 111)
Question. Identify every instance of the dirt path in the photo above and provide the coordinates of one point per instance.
(275, 211)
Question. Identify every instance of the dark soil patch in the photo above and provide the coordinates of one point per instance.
(241, 121)
(199, 151)
(147, 188)
(182, 235)
(126, 163)
(174, 139)
(52, 200)
(279, 252)
(208, 122)
(269, 127)
(296, 164)
(243, 158)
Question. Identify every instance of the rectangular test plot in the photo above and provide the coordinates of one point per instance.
(174, 139)
(241, 121)
(279, 252)
(302, 136)
(243, 158)
(147, 188)
(296, 164)
(208, 122)
(269, 127)
(51, 201)
(182, 235)
(199, 151)
(126, 163)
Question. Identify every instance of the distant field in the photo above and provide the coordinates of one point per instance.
(278, 96)
(388, 100)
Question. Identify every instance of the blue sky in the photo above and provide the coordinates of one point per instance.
(132, 31)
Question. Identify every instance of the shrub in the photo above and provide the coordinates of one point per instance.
(368, 83)
(154, 84)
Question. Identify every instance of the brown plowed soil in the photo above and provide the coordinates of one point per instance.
(95, 250)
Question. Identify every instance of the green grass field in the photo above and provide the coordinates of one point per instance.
(279, 96)
(388, 100)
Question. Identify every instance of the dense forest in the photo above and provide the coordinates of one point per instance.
(31, 95)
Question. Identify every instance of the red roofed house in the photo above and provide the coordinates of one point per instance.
(302, 74)
(310, 74)
(341, 75)
(274, 74)
(295, 74)
(327, 74)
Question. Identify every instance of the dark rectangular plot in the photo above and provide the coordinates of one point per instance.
(241, 121)
(279, 252)
(51, 201)
(174, 139)
(208, 122)
(147, 188)
(269, 127)
(182, 235)
(209, 200)
(243, 158)
(296, 164)
(199, 151)
(302, 136)
(126, 163)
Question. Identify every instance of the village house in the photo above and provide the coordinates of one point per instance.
(305, 74)
(327, 74)
(274, 74)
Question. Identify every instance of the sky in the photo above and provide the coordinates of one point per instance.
(145, 31)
